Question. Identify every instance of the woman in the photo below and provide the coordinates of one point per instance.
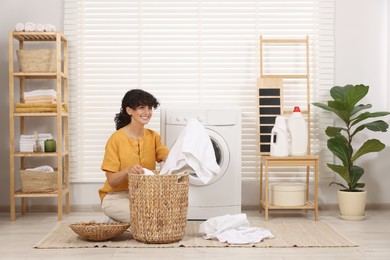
(130, 149)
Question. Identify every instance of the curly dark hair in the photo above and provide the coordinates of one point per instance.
(133, 99)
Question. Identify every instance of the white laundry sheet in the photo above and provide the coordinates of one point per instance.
(233, 229)
(192, 152)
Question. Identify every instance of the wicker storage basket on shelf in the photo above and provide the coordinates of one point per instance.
(37, 181)
(158, 207)
(37, 60)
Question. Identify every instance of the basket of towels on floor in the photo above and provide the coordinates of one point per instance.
(158, 207)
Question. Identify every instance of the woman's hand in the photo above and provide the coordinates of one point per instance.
(137, 169)
(115, 179)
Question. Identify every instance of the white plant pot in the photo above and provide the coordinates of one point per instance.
(352, 204)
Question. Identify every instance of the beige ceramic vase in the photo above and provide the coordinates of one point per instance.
(352, 204)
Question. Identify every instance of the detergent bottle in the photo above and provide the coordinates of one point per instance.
(298, 133)
(279, 138)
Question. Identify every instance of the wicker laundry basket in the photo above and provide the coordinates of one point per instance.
(158, 207)
(37, 181)
(37, 60)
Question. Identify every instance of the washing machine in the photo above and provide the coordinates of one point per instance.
(222, 195)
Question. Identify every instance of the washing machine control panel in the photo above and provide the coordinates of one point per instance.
(181, 117)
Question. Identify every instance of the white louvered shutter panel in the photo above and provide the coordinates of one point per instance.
(186, 53)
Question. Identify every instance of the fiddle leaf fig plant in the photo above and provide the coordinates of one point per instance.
(344, 105)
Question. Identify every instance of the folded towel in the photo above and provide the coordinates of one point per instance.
(43, 168)
(233, 229)
(29, 27)
(38, 109)
(40, 27)
(19, 27)
(41, 99)
(36, 105)
(194, 152)
(40, 92)
(49, 28)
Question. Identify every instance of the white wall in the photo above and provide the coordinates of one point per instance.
(361, 43)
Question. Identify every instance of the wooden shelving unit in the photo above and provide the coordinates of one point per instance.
(270, 101)
(60, 76)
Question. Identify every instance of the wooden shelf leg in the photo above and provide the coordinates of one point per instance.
(261, 187)
(307, 184)
(316, 189)
(67, 203)
(266, 192)
(24, 206)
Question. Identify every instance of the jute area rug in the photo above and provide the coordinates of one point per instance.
(286, 234)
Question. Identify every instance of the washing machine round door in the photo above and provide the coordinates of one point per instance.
(222, 156)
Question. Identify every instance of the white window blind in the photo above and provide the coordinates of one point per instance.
(187, 53)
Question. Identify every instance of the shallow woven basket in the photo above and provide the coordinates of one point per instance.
(158, 207)
(37, 60)
(99, 231)
(36, 181)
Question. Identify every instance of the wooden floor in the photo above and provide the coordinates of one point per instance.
(373, 235)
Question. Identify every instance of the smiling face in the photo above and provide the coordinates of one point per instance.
(141, 115)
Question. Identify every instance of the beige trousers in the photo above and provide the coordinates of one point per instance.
(116, 205)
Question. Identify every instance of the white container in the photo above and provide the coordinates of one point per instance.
(287, 194)
(297, 128)
(279, 138)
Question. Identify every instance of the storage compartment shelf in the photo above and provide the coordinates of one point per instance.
(39, 75)
(42, 154)
(20, 123)
(308, 205)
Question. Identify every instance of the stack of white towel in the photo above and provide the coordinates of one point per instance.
(32, 27)
(26, 142)
(40, 96)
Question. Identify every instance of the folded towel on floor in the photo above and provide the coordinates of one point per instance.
(233, 229)
(194, 152)
(19, 27)
(29, 27)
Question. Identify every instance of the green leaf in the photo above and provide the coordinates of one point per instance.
(339, 146)
(355, 173)
(366, 115)
(337, 183)
(372, 145)
(355, 94)
(359, 108)
(341, 170)
(340, 92)
(333, 131)
(323, 106)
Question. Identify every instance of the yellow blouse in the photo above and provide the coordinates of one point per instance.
(122, 152)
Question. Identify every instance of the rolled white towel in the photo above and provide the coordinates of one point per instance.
(19, 27)
(29, 27)
(49, 27)
(40, 27)
(43, 168)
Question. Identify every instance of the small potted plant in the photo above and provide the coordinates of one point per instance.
(354, 119)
